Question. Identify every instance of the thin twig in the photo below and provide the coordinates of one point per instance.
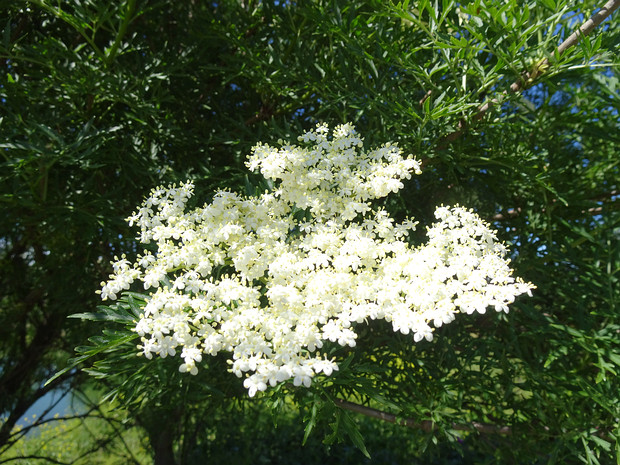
(429, 426)
(424, 425)
(131, 4)
(607, 200)
(23, 430)
(425, 98)
(34, 457)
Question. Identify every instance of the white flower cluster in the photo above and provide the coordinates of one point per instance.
(269, 279)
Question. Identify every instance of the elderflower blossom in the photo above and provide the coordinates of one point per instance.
(270, 279)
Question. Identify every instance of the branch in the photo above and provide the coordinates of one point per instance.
(34, 457)
(607, 200)
(118, 434)
(429, 426)
(131, 4)
(425, 425)
(585, 29)
(15, 437)
(22, 406)
(527, 79)
(510, 213)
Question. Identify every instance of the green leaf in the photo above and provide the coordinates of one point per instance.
(601, 442)
(102, 345)
(352, 430)
(549, 4)
(321, 70)
(311, 422)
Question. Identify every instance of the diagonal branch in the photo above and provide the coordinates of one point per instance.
(34, 457)
(585, 29)
(429, 426)
(424, 425)
(527, 79)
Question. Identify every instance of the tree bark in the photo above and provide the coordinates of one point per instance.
(163, 447)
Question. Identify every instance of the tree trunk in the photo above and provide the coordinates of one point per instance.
(162, 445)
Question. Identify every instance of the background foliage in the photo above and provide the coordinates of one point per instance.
(100, 101)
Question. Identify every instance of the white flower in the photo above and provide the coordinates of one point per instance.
(306, 263)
